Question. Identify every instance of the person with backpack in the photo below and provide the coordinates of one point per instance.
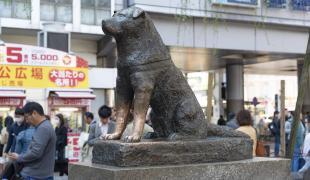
(274, 127)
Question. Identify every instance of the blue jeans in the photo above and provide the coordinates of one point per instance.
(306, 166)
(276, 145)
(295, 160)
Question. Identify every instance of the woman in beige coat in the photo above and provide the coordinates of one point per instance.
(245, 121)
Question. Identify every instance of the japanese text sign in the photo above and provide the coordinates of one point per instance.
(37, 67)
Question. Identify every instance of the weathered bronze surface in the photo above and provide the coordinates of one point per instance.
(148, 77)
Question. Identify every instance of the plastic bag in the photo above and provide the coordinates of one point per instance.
(83, 139)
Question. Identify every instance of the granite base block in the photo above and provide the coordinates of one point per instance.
(150, 152)
(252, 169)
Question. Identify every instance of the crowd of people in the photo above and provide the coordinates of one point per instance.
(34, 144)
(301, 155)
(29, 142)
(33, 148)
(30, 139)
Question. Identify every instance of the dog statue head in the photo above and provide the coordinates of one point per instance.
(130, 20)
(137, 39)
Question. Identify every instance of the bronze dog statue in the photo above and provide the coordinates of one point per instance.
(148, 77)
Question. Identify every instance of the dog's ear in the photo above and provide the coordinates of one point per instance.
(138, 13)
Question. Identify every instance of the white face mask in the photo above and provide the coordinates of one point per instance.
(56, 121)
(19, 120)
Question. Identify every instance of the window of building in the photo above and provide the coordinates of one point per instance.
(276, 3)
(303, 5)
(94, 11)
(251, 2)
(56, 10)
(15, 9)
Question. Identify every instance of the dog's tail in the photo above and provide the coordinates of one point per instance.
(223, 131)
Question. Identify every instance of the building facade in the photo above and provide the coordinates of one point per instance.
(76, 27)
(233, 38)
(227, 37)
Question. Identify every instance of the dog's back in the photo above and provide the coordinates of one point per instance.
(175, 107)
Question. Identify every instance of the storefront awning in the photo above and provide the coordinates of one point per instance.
(74, 94)
(12, 93)
(86, 94)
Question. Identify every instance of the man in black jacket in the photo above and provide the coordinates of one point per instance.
(274, 127)
(18, 126)
(61, 163)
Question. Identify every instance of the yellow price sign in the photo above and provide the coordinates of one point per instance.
(43, 77)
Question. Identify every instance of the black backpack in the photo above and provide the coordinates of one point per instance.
(272, 127)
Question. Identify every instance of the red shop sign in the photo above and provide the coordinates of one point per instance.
(11, 101)
(73, 149)
(69, 102)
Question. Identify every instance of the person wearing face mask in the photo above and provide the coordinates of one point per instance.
(38, 161)
(15, 129)
(61, 164)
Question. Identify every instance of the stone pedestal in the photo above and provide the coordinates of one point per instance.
(150, 152)
(252, 169)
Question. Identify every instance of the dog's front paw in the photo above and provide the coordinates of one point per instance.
(113, 136)
(133, 138)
